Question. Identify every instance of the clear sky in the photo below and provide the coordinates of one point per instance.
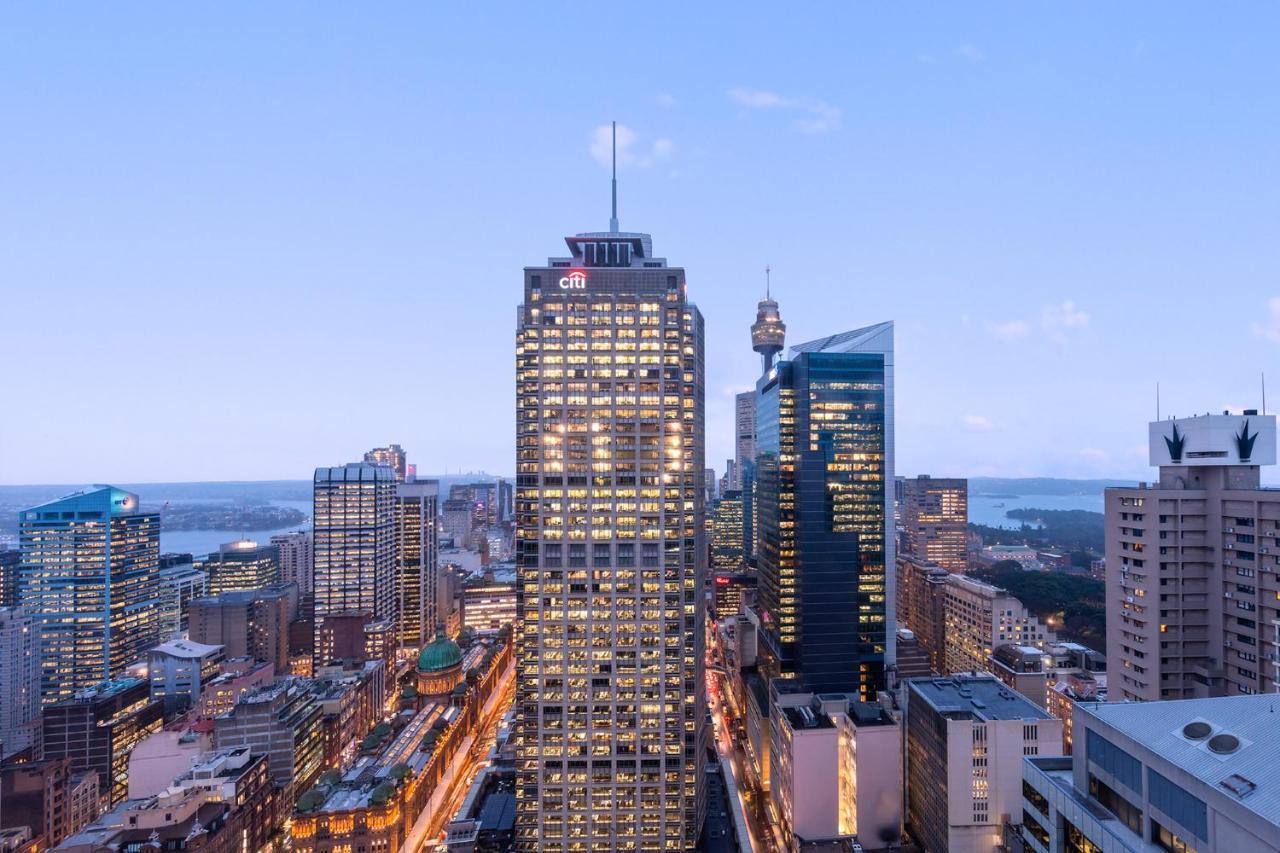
(238, 241)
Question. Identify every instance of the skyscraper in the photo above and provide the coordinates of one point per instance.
(726, 532)
(355, 542)
(19, 680)
(1192, 602)
(417, 556)
(295, 554)
(824, 472)
(610, 551)
(90, 575)
(393, 456)
(935, 520)
(744, 420)
(243, 564)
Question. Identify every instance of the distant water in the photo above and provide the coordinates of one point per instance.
(991, 510)
(201, 542)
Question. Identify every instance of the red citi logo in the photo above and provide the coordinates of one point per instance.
(576, 280)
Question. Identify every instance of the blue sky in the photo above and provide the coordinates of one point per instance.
(245, 240)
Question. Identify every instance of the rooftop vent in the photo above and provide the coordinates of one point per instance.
(1196, 731)
(1238, 785)
(1224, 744)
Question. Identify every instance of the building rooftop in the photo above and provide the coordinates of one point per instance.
(186, 649)
(805, 717)
(498, 814)
(876, 338)
(981, 697)
(1235, 750)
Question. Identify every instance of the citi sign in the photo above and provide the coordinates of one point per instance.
(576, 280)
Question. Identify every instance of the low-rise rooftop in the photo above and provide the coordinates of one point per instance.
(980, 697)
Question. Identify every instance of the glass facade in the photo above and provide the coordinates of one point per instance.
(611, 553)
(91, 576)
(822, 472)
(417, 555)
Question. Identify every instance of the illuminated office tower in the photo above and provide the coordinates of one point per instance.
(416, 558)
(726, 532)
(824, 478)
(91, 576)
(19, 680)
(294, 551)
(935, 521)
(610, 552)
(243, 564)
(393, 456)
(354, 542)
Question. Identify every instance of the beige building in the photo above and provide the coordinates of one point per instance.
(935, 520)
(979, 617)
(1193, 600)
(966, 740)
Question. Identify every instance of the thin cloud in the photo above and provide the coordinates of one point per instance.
(978, 423)
(971, 52)
(665, 99)
(811, 115)
(1059, 321)
(1011, 330)
(1270, 327)
(630, 152)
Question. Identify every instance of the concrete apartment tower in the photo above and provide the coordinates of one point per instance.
(935, 520)
(1192, 591)
(610, 551)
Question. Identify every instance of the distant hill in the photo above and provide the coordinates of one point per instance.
(1039, 486)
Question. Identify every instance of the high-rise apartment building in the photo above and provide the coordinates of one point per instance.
(1192, 593)
(922, 596)
(243, 564)
(392, 456)
(966, 739)
(355, 542)
(935, 520)
(744, 434)
(97, 729)
(294, 553)
(611, 551)
(824, 475)
(19, 680)
(417, 555)
(90, 575)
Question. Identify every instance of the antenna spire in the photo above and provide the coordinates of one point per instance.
(767, 287)
(613, 220)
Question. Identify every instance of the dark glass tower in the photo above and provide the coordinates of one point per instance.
(824, 469)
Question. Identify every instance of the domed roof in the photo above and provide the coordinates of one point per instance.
(439, 654)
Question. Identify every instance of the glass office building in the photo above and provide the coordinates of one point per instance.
(611, 552)
(417, 554)
(91, 576)
(824, 470)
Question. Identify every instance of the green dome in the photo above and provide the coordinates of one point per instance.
(439, 654)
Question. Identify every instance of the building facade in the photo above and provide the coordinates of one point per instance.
(922, 597)
(966, 738)
(355, 542)
(979, 617)
(90, 574)
(178, 671)
(240, 565)
(1173, 775)
(19, 680)
(417, 557)
(97, 729)
(180, 584)
(744, 435)
(249, 623)
(283, 721)
(824, 470)
(294, 551)
(935, 521)
(392, 456)
(726, 532)
(1192, 589)
(611, 551)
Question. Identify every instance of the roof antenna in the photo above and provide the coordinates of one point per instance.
(766, 281)
(613, 220)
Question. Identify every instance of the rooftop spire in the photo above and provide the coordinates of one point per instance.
(766, 282)
(613, 220)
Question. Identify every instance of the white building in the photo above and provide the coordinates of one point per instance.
(179, 585)
(19, 680)
(744, 419)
